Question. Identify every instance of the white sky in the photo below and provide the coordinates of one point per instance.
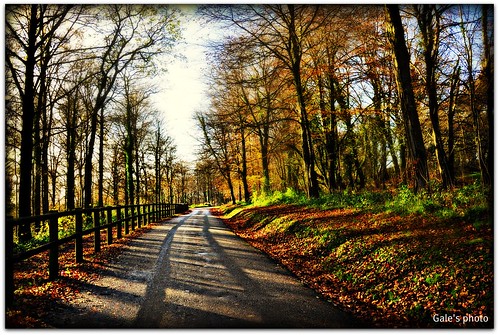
(183, 87)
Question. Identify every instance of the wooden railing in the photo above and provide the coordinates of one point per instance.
(119, 218)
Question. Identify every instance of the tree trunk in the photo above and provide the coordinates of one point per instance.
(351, 158)
(429, 24)
(453, 92)
(129, 169)
(54, 187)
(332, 139)
(88, 201)
(383, 134)
(414, 135)
(231, 187)
(329, 130)
(28, 110)
(47, 118)
(45, 173)
(308, 154)
(488, 75)
(244, 169)
(307, 147)
(480, 155)
(264, 148)
(382, 173)
(37, 159)
(157, 165)
(137, 170)
(100, 192)
(45, 166)
(71, 154)
(391, 148)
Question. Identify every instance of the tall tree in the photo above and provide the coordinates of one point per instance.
(160, 146)
(133, 117)
(70, 110)
(428, 17)
(29, 29)
(488, 78)
(451, 112)
(283, 30)
(217, 144)
(468, 14)
(412, 125)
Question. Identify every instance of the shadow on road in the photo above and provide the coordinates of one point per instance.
(193, 272)
(208, 277)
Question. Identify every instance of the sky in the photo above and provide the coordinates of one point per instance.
(183, 89)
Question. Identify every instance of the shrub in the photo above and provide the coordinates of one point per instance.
(290, 196)
(469, 201)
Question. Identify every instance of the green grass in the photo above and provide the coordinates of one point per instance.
(469, 202)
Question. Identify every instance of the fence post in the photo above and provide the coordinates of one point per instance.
(118, 219)
(9, 265)
(127, 218)
(97, 230)
(54, 247)
(149, 213)
(109, 221)
(79, 236)
(139, 218)
(147, 208)
(134, 217)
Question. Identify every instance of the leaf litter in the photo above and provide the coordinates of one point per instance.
(36, 297)
(390, 270)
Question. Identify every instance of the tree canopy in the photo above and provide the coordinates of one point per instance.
(314, 98)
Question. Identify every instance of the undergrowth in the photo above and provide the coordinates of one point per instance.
(395, 258)
(40, 233)
(469, 201)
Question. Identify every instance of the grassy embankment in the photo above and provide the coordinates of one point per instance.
(394, 260)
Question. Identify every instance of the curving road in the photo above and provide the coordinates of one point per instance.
(193, 272)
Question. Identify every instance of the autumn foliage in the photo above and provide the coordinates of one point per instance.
(388, 268)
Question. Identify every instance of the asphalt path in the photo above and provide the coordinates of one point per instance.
(193, 272)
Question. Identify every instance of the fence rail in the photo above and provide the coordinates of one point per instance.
(127, 217)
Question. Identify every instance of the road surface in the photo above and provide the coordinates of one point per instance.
(193, 272)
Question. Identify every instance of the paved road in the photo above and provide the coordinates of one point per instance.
(193, 272)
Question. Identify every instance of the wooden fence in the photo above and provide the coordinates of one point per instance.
(119, 218)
